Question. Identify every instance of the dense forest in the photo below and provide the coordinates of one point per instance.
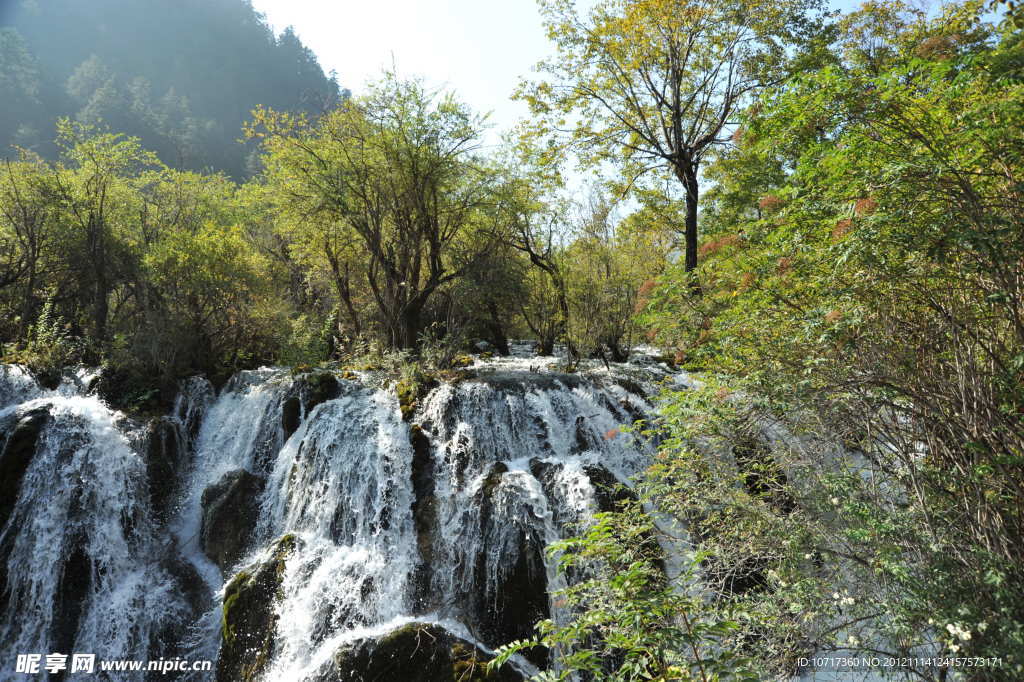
(819, 214)
(182, 77)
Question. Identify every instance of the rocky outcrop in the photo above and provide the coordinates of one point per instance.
(508, 599)
(424, 514)
(249, 621)
(417, 652)
(609, 492)
(230, 510)
(18, 449)
(165, 458)
(309, 390)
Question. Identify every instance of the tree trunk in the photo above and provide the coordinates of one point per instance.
(408, 327)
(496, 330)
(692, 195)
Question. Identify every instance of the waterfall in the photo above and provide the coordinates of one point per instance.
(78, 542)
(136, 542)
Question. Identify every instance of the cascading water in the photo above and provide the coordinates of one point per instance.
(294, 516)
(78, 541)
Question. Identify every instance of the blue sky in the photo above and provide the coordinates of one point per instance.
(479, 48)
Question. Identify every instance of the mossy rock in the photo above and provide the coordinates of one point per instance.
(460, 361)
(410, 391)
(249, 618)
(454, 376)
(136, 391)
(417, 652)
(319, 388)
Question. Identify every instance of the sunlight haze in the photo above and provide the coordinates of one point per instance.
(478, 49)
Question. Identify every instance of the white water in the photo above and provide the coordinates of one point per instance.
(509, 456)
(81, 515)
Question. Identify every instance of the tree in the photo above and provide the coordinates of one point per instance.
(27, 229)
(398, 168)
(94, 197)
(652, 85)
(872, 303)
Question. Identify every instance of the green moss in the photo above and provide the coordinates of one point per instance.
(249, 620)
(231, 593)
(410, 390)
(407, 391)
(462, 361)
(322, 386)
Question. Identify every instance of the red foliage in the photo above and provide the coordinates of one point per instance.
(715, 245)
(865, 206)
(842, 228)
(769, 203)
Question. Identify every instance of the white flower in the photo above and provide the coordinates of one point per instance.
(835, 595)
(954, 648)
(834, 501)
(982, 626)
(951, 629)
(853, 640)
(808, 556)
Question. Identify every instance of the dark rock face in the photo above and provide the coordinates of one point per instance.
(75, 584)
(230, 509)
(507, 609)
(165, 458)
(291, 415)
(249, 624)
(424, 512)
(309, 391)
(17, 452)
(609, 492)
(18, 449)
(416, 652)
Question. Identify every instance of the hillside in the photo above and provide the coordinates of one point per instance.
(182, 76)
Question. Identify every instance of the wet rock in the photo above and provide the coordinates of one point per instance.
(249, 621)
(417, 652)
(165, 458)
(230, 509)
(310, 390)
(75, 585)
(609, 492)
(291, 415)
(507, 599)
(18, 449)
(424, 512)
